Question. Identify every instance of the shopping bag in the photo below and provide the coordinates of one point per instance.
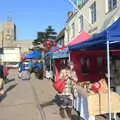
(59, 85)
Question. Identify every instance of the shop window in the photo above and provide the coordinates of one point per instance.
(101, 67)
(85, 65)
(99, 61)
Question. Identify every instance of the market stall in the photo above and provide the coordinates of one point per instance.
(90, 105)
(33, 54)
(62, 56)
(108, 42)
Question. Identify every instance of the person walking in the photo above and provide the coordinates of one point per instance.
(69, 92)
(5, 73)
(2, 91)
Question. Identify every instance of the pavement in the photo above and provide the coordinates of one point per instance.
(29, 100)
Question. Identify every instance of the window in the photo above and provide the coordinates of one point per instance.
(8, 31)
(68, 35)
(81, 23)
(99, 61)
(93, 12)
(112, 4)
(73, 29)
(62, 42)
(85, 64)
(101, 64)
(81, 3)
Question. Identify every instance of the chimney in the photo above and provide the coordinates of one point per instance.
(70, 14)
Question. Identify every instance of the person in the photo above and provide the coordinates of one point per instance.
(5, 73)
(24, 70)
(1, 80)
(69, 92)
(21, 68)
(30, 64)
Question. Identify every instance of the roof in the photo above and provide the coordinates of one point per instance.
(80, 38)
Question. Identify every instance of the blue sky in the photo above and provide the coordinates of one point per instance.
(31, 16)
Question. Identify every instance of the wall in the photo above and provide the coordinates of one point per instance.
(101, 7)
(95, 73)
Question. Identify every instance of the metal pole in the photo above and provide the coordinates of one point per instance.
(108, 70)
(50, 62)
(43, 60)
(69, 56)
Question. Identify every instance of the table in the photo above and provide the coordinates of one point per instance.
(90, 105)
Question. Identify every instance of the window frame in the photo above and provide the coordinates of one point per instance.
(93, 13)
(81, 23)
(73, 29)
(110, 5)
(85, 65)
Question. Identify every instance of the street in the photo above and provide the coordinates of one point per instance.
(24, 98)
(29, 100)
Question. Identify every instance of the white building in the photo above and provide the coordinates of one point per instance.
(93, 16)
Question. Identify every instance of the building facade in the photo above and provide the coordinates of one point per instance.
(25, 45)
(93, 16)
(7, 33)
(60, 37)
(8, 37)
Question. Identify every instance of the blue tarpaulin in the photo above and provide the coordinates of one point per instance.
(61, 54)
(98, 41)
(32, 55)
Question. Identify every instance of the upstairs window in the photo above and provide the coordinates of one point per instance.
(81, 23)
(73, 29)
(112, 4)
(93, 12)
(68, 35)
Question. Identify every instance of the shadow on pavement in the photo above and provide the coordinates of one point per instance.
(9, 80)
(55, 100)
(49, 103)
(75, 117)
(2, 97)
(11, 87)
(8, 89)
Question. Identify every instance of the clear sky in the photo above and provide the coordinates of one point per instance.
(31, 16)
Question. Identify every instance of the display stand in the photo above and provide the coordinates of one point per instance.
(90, 105)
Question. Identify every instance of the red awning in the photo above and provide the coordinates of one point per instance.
(80, 38)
